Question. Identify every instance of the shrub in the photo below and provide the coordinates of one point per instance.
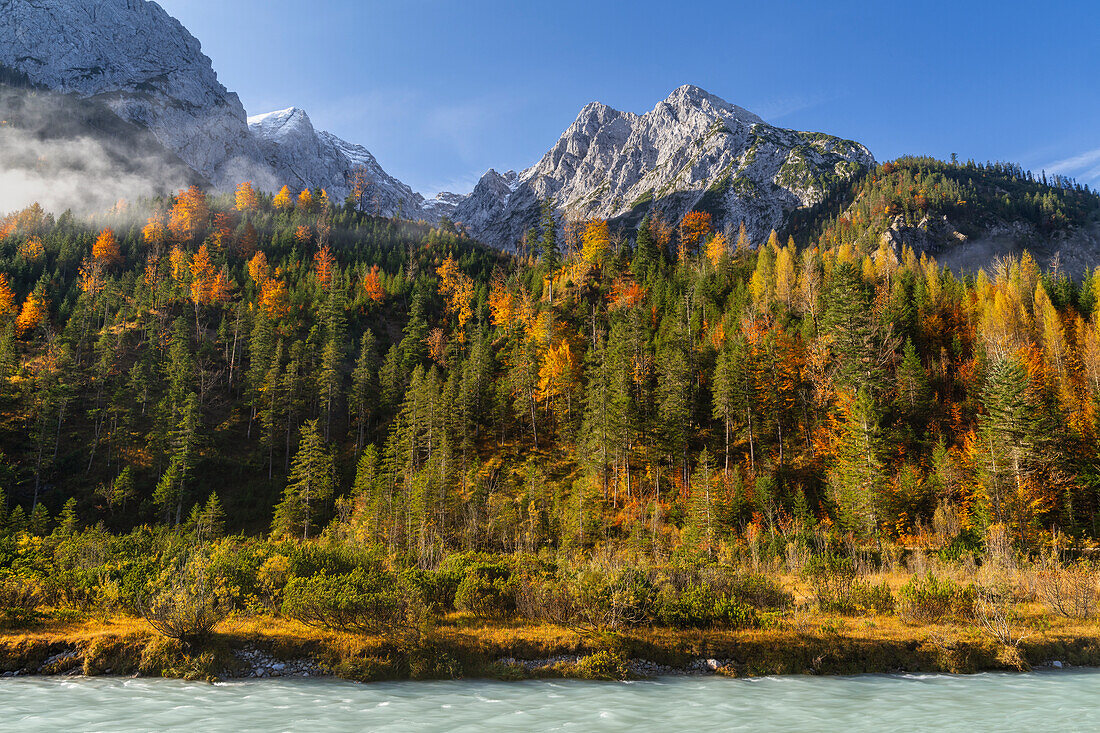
(607, 599)
(699, 607)
(603, 665)
(17, 593)
(487, 591)
(837, 588)
(187, 602)
(928, 600)
(758, 591)
(831, 578)
(867, 597)
(362, 601)
(1069, 591)
(20, 618)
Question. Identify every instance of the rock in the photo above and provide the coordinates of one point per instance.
(692, 150)
(300, 156)
(143, 64)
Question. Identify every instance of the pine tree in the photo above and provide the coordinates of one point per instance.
(311, 482)
(706, 508)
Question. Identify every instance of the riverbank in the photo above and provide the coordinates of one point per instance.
(463, 647)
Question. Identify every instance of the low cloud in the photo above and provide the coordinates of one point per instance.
(68, 154)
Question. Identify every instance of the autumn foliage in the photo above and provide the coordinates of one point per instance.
(189, 216)
(33, 313)
(246, 197)
(105, 251)
(372, 285)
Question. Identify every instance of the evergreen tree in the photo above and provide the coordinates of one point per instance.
(311, 482)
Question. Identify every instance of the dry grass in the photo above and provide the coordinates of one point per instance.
(799, 640)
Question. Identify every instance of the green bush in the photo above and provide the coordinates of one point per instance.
(362, 601)
(758, 591)
(603, 665)
(837, 589)
(20, 618)
(187, 601)
(929, 600)
(698, 607)
(867, 597)
(487, 591)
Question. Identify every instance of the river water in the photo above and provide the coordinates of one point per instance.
(1065, 700)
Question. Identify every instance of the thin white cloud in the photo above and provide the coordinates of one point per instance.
(1074, 165)
(777, 108)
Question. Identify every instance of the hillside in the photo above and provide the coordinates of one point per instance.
(966, 215)
(624, 391)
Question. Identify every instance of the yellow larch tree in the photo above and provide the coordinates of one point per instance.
(595, 241)
(305, 201)
(282, 200)
(258, 269)
(717, 248)
(7, 298)
(189, 215)
(458, 290)
(33, 313)
(246, 197)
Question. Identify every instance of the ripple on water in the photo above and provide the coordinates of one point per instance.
(1066, 700)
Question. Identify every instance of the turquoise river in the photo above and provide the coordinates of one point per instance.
(1055, 700)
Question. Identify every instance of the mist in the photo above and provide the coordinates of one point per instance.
(71, 154)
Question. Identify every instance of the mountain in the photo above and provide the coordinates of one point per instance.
(301, 157)
(693, 150)
(144, 65)
(65, 152)
(483, 207)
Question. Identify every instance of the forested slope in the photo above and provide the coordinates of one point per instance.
(671, 388)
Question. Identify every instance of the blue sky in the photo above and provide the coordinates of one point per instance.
(441, 90)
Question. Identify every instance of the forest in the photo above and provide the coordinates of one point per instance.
(296, 373)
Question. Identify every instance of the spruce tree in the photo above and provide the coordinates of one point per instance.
(310, 484)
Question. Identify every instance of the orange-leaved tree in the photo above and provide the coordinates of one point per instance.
(258, 268)
(7, 298)
(32, 248)
(155, 232)
(35, 309)
(189, 215)
(372, 285)
(693, 228)
(105, 250)
(325, 263)
(274, 300)
(458, 290)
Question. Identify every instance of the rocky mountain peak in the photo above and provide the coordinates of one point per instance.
(689, 99)
(142, 63)
(282, 123)
(692, 150)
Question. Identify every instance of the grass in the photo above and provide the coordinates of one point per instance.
(800, 641)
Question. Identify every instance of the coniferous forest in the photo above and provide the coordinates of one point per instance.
(333, 408)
